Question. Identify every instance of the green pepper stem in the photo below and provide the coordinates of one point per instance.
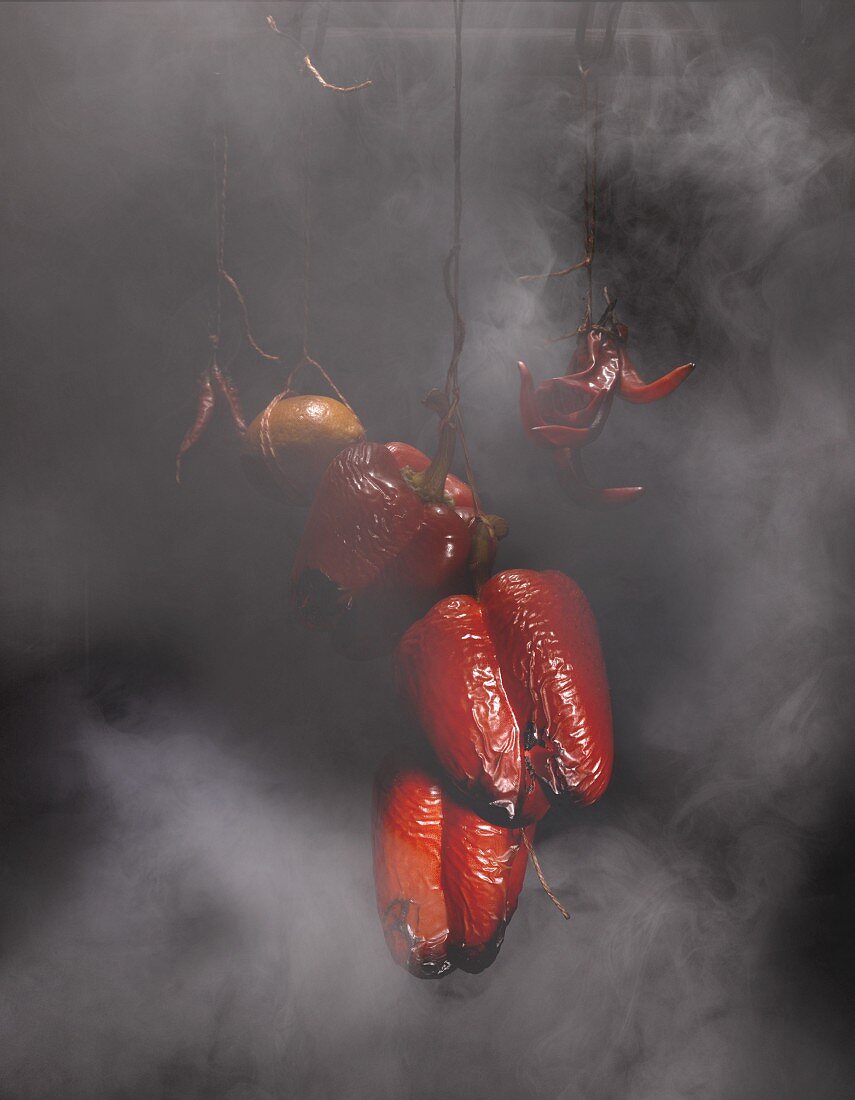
(488, 531)
(430, 483)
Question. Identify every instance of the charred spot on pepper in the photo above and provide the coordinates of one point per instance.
(395, 918)
(504, 812)
(475, 960)
(396, 922)
(533, 736)
(537, 780)
(501, 812)
(430, 968)
(320, 601)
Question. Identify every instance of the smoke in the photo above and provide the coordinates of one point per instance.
(188, 905)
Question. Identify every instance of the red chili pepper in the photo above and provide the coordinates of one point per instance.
(229, 391)
(204, 412)
(567, 413)
(378, 550)
(511, 692)
(447, 881)
(206, 397)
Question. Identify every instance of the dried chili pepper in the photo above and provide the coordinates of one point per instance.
(511, 692)
(567, 413)
(206, 397)
(447, 881)
(229, 392)
(389, 533)
(291, 442)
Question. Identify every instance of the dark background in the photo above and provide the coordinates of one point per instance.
(185, 863)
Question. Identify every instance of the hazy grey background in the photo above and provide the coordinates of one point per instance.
(185, 872)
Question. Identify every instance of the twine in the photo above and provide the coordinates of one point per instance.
(588, 67)
(306, 358)
(539, 872)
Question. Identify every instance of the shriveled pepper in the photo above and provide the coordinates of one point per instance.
(511, 693)
(447, 881)
(388, 534)
(567, 413)
(212, 380)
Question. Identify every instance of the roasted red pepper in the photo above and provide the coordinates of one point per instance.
(511, 692)
(447, 881)
(567, 413)
(379, 548)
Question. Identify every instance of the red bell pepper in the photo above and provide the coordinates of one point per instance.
(511, 692)
(382, 543)
(447, 881)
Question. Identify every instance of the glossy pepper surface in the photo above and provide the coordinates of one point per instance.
(375, 555)
(511, 693)
(447, 881)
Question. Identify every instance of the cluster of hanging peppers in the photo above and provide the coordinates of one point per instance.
(503, 674)
(567, 413)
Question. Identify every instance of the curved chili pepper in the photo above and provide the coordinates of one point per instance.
(375, 555)
(572, 478)
(204, 412)
(639, 392)
(206, 397)
(511, 692)
(229, 391)
(567, 413)
(587, 420)
(447, 881)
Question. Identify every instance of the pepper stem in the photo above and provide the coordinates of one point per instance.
(488, 531)
(430, 483)
(608, 318)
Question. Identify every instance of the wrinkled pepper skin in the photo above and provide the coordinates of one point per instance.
(374, 556)
(568, 413)
(510, 691)
(447, 881)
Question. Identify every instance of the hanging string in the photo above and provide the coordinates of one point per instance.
(451, 267)
(542, 878)
(221, 231)
(215, 379)
(590, 113)
(589, 232)
(311, 67)
(588, 66)
(306, 214)
(222, 274)
(306, 358)
(307, 61)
